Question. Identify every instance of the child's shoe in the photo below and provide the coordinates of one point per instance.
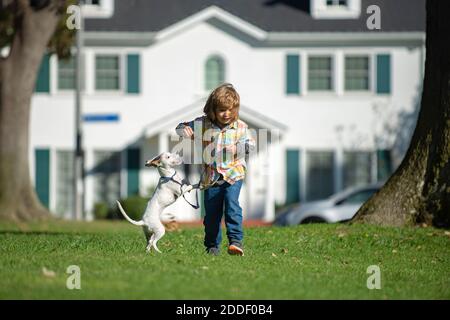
(213, 251)
(235, 248)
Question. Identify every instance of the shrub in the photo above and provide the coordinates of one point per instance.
(134, 206)
(101, 210)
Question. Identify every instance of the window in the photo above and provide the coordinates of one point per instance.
(106, 176)
(64, 183)
(320, 74)
(357, 168)
(357, 73)
(92, 2)
(320, 174)
(337, 3)
(107, 72)
(97, 9)
(214, 72)
(335, 9)
(66, 74)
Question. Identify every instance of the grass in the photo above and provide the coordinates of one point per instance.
(302, 262)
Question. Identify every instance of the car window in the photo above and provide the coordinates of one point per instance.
(358, 197)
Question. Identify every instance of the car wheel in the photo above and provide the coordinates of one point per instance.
(313, 220)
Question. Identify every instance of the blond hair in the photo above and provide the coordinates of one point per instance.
(223, 96)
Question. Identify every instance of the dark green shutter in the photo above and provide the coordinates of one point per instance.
(42, 175)
(384, 164)
(43, 77)
(292, 176)
(383, 74)
(292, 74)
(133, 73)
(133, 166)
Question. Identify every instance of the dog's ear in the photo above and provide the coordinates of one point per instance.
(155, 162)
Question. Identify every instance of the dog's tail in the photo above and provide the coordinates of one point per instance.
(136, 223)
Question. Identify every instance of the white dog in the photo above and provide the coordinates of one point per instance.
(170, 187)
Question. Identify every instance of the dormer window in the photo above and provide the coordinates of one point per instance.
(337, 3)
(92, 2)
(97, 8)
(335, 9)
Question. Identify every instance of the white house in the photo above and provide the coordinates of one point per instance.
(337, 99)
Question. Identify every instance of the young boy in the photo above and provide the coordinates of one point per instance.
(228, 140)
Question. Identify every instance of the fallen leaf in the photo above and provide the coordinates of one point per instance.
(273, 254)
(284, 250)
(48, 273)
(205, 268)
(394, 251)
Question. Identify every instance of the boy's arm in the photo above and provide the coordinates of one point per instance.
(180, 127)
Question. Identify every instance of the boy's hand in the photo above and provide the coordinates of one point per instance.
(187, 132)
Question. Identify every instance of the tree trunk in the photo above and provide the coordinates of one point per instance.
(419, 190)
(18, 72)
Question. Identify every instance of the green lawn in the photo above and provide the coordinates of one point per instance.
(303, 262)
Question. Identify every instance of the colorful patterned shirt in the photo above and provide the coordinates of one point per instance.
(224, 149)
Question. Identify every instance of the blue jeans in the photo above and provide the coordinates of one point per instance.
(216, 199)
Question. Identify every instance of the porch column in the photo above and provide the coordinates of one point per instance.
(338, 169)
(269, 214)
(163, 142)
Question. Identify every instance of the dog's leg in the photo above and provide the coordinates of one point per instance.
(148, 236)
(147, 233)
(150, 243)
(155, 247)
(157, 237)
(188, 188)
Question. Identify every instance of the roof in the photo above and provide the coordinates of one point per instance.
(268, 15)
(171, 120)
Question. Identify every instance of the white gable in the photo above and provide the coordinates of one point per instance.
(210, 13)
(190, 112)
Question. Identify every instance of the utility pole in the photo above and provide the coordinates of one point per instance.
(78, 203)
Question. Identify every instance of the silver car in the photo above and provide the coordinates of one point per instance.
(339, 207)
